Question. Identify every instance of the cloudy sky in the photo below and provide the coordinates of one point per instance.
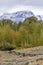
(9, 6)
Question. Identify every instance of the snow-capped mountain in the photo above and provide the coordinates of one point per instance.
(39, 17)
(18, 16)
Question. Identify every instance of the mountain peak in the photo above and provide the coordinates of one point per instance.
(17, 16)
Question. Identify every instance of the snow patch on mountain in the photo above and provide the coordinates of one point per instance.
(18, 16)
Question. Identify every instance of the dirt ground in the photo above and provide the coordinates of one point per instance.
(30, 56)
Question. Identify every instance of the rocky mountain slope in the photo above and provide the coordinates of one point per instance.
(19, 16)
(30, 56)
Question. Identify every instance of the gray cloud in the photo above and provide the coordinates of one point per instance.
(10, 3)
(7, 5)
